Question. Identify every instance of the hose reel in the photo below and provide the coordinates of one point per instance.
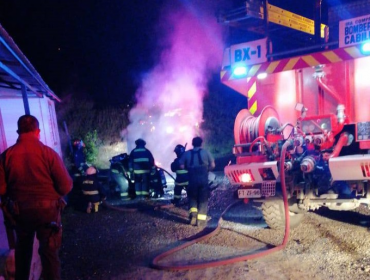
(248, 127)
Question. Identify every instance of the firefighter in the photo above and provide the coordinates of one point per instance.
(157, 182)
(141, 163)
(79, 158)
(93, 192)
(198, 162)
(182, 179)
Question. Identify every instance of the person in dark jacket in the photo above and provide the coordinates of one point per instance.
(79, 158)
(157, 182)
(198, 162)
(92, 190)
(34, 180)
(141, 163)
(182, 178)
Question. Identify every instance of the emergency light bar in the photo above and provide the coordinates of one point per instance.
(240, 71)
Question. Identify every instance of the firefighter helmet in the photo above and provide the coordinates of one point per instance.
(179, 150)
(140, 142)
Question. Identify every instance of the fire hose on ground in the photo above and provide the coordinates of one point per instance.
(158, 258)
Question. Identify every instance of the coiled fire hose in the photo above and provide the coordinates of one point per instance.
(157, 259)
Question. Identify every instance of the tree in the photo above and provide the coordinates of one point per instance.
(220, 109)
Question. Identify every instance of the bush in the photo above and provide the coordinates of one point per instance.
(79, 118)
(92, 146)
(220, 110)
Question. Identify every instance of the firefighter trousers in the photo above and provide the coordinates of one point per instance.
(177, 193)
(142, 185)
(198, 193)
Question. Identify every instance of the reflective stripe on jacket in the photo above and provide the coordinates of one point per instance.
(141, 161)
(182, 177)
(92, 190)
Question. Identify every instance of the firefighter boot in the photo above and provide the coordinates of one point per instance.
(125, 196)
(89, 208)
(193, 219)
(96, 207)
(201, 220)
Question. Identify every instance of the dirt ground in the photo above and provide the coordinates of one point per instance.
(122, 239)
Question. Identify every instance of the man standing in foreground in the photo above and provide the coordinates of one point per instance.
(198, 162)
(34, 180)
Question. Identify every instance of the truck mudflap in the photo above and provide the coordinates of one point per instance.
(250, 174)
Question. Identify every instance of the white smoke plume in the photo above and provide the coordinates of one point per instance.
(169, 105)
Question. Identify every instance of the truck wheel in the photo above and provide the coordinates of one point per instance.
(274, 215)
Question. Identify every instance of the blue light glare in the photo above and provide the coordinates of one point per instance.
(240, 71)
(365, 48)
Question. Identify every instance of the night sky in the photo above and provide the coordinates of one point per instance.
(96, 48)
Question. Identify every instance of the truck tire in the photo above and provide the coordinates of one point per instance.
(274, 215)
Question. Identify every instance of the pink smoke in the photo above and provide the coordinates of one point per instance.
(170, 100)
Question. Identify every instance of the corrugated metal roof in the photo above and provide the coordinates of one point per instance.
(15, 70)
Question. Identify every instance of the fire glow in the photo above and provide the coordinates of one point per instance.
(172, 91)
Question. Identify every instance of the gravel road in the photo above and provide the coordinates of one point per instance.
(121, 240)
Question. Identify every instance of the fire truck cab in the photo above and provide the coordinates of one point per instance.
(308, 112)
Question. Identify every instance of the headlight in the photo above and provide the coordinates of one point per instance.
(246, 178)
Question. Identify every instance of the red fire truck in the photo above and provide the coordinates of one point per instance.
(308, 116)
